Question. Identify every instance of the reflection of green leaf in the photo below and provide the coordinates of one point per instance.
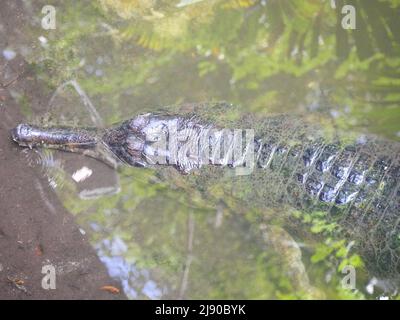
(322, 251)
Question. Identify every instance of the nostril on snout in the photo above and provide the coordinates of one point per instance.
(15, 133)
(19, 132)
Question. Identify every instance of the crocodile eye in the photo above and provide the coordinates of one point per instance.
(135, 143)
(139, 122)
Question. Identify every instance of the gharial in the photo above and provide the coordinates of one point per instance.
(296, 163)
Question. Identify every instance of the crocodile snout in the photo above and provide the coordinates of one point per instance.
(20, 133)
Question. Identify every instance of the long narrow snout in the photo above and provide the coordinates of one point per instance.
(56, 137)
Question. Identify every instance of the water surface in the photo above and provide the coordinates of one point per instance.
(108, 60)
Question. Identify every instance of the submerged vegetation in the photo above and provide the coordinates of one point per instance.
(185, 238)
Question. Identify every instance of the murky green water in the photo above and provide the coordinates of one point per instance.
(170, 239)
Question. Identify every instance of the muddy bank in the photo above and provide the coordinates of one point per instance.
(35, 229)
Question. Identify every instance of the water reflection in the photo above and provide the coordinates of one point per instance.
(111, 253)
